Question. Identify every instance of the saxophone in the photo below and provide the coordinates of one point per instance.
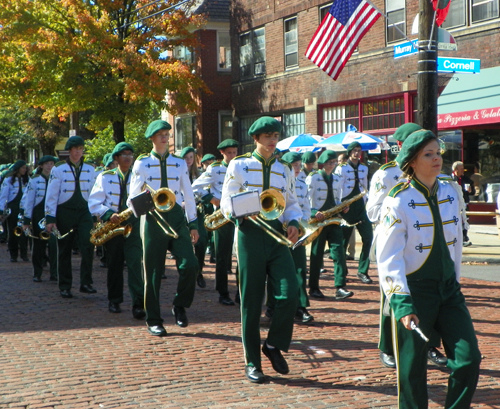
(215, 220)
(106, 231)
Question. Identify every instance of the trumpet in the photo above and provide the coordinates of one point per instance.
(313, 227)
(215, 220)
(273, 206)
(164, 201)
(18, 230)
(106, 231)
(45, 235)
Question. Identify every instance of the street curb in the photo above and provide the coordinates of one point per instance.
(473, 259)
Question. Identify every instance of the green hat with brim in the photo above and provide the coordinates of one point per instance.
(17, 165)
(74, 141)
(326, 156)
(406, 130)
(351, 146)
(47, 158)
(120, 147)
(156, 126)
(291, 157)
(186, 150)
(308, 157)
(208, 156)
(412, 145)
(228, 143)
(265, 124)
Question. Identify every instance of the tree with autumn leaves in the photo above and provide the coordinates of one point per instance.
(110, 59)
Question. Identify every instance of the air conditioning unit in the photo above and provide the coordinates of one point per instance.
(260, 68)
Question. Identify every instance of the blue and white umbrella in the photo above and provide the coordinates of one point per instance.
(300, 143)
(368, 142)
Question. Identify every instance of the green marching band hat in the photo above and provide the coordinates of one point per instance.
(351, 146)
(47, 158)
(406, 130)
(326, 156)
(208, 156)
(156, 126)
(308, 157)
(186, 150)
(265, 124)
(17, 165)
(291, 157)
(227, 143)
(120, 147)
(107, 159)
(74, 141)
(412, 145)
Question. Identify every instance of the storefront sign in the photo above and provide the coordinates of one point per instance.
(462, 65)
(402, 50)
(469, 118)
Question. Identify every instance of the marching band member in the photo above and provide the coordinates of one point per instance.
(66, 208)
(207, 160)
(34, 211)
(213, 179)
(323, 189)
(353, 177)
(261, 256)
(308, 161)
(200, 248)
(11, 194)
(160, 169)
(419, 252)
(107, 200)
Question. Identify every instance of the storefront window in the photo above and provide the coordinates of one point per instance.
(336, 119)
(383, 114)
(246, 141)
(451, 143)
(293, 124)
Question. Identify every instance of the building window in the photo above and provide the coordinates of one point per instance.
(395, 20)
(224, 51)
(225, 125)
(291, 43)
(482, 10)
(336, 119)
(184, 54)
(383, 114)
(456, 14)
(246, 141)
(185, 131)
(253, 53)
(293, 124)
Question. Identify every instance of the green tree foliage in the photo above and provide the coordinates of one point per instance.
(103, 57)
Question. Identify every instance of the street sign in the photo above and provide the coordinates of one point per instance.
(405, 49)
(462, 65)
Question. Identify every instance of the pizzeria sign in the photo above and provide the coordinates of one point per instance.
(469, 118)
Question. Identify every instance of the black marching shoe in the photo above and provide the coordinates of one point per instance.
(316, 293)
(201, 281)
(434, 355)
(13, 260)
(138, 313)
(387, 360)
(25, 258)
(342, 293)
(303, 315)
(114, 307)
(180, 316)
(349, 258)
(87, 288)
(365, 278)
(66, 294)
(157, 330)
(254, 374)
(37, 280)
(225, 300)
(277, 361)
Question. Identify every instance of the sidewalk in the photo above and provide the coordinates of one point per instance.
(60, 353)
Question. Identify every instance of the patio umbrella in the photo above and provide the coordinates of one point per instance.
(300, 143)
(368, 142)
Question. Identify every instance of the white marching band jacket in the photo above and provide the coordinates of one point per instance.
(62, 185)
(345, 172)
(33, 196)
(318, 190)
(9, 192)
(210, 183)
(383, 180)
(246, 173)
(407, 232)
(301, 190)
(147, 170)
(105, 195)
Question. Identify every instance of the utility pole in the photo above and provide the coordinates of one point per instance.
(427, 84)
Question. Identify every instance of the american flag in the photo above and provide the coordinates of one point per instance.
(339, 34)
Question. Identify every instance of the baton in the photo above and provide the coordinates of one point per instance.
(415, 327)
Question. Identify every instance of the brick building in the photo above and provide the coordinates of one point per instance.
(375, 92)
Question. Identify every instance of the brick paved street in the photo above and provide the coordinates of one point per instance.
(59, 353)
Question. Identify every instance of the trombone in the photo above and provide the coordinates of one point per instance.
(164, 201)
(45, 235)
(272, 203)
